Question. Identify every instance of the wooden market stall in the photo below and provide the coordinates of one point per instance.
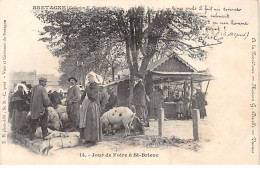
(179, 72)
(183, 79)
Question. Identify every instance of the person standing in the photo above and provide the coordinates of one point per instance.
(156, 102)
(38, 106)
(72, 101)
(90, 113)
(179, 105)
(10, 106)
(103, 97)
(201, 103)
(139, 100)
(112, 101)
(18, 104)
(29, 86)
(187, 106)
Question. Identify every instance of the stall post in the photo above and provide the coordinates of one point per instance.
(191, 87)
(207, 88)
(160, 122)
(195, 116)
(184, 89)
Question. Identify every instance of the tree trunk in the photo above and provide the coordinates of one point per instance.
(132, 41)
(128, 58)
(144, 65)
(131, 69)
(104, 77)
(113, 73)
(131, 90)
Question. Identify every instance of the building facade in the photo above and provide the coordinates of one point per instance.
(33, 79)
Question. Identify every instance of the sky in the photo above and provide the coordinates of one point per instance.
(24, 51)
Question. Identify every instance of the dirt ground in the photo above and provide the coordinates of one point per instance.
(176, 134)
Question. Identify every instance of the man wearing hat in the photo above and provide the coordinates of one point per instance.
(72, 101)
(38, 105)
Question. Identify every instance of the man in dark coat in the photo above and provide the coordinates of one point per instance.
(156, 102)
(112, 101)
(201, 103)
(72, 101)
(38, 105)
(103, 98)
(139, 100)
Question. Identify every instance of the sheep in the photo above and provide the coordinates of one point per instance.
(53, 121)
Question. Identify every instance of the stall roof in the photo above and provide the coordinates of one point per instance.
(194, 64)
(180, 77)
(117, 81)
(157, 63)
(199, 68)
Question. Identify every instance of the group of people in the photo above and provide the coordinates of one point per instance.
(183, 103)
(19, 106)
(26, 99)
(83, 109)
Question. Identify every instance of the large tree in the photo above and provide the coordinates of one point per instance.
(90, 34)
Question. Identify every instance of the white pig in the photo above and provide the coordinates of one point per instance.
(117, 116)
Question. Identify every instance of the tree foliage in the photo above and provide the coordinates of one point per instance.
(106, 37)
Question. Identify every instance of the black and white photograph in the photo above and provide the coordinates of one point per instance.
(138, 82)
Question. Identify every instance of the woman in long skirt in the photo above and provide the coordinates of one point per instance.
(90, 113)
(19, 113)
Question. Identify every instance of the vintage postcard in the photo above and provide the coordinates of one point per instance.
(129, 82)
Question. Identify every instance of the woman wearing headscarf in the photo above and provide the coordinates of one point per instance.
(18, 104)
(90, 113)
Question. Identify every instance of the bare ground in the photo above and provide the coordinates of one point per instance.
(176, 134)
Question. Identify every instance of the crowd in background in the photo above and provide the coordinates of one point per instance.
(84, 107)
(28, 107)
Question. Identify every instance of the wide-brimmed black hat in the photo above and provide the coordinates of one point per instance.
(73, 79)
